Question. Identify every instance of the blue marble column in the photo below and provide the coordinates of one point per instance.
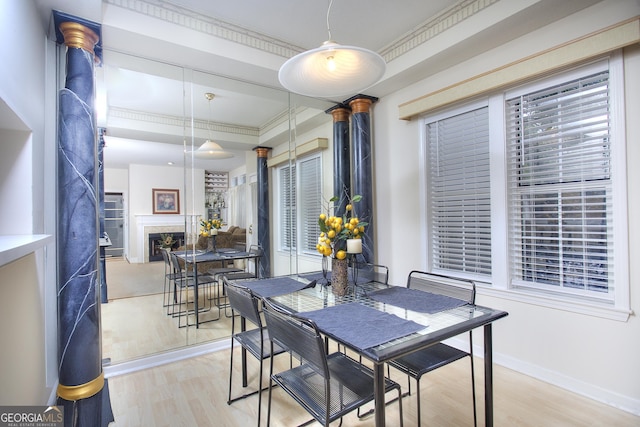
(341, 157)
(362, 168)
(264, 238)
(81, 388)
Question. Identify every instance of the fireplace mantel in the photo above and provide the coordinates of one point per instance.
(146, 224)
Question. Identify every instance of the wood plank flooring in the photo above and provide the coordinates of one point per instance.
(193, 392)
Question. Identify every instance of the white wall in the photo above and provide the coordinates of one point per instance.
(593, 356)
(137, 183)
(28, 360)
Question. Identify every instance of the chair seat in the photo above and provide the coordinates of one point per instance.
(426, 360)
(251, 341)
(351, 386)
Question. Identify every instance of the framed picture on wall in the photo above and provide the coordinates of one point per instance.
(166, 201)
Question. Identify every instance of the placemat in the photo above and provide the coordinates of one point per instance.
(316, 275)
(266, 288)
(415, 300)
(361, 326)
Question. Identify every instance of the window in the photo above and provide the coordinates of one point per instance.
(287, 211)
(559, 181)
(531, 176)
(300, 203)
(459, 193)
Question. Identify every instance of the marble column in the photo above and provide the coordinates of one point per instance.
(81, 388)
(341, 157)
(264, 238)
(362, 167)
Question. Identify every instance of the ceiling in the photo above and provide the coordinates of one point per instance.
(160, 57)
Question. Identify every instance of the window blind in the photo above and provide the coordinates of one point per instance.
(459, 193)
(310, 202)
(287, 189)
(559, 180)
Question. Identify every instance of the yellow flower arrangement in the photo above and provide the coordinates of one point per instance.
(166, 240)
(209, 225)
(336, 230)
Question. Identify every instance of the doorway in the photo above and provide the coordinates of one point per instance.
(114, 223)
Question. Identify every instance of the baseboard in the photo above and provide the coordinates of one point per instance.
(165, 357)
(599, 394)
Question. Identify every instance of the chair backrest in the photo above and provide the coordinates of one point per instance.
(167, 262)
(443, 285)
(374, 272)
(243, 302)
(297, 335)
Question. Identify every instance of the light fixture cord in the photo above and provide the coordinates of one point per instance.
(329, 10)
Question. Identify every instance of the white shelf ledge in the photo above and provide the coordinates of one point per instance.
(17, 246)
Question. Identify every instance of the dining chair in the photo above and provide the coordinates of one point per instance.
(426, 360)
(245, 305)
(169, 279)
(250, 271)
(327, 386)
(183, 282)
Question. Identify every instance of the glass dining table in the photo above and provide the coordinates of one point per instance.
(393, 327)
(223, 255)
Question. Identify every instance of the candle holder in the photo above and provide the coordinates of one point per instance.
(354, 247)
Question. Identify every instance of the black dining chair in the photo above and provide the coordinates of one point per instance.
(255, 341)
(182, 283)
(326, 386)
(426, 360)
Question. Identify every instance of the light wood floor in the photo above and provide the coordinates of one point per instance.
(135, 327)
(194, 392)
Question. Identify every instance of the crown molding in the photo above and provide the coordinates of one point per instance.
(177, 15)
(435, 26)
(161, 119)
(214, 27)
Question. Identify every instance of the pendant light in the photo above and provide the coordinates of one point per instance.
(211, 149)
(332, 70)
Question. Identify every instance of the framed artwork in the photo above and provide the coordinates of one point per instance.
(166, 201)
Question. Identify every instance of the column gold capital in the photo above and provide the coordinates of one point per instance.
(78, 36)
(360, 105)
(340, 115)
(262, 151)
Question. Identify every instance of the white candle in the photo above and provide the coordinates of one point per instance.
(214, 232)
(354, 246)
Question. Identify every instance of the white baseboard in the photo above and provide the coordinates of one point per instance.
(165, 357)
(599, 394)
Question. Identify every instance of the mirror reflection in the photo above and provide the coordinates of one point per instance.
(159, 188)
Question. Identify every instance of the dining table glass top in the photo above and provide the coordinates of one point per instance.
(433, 327)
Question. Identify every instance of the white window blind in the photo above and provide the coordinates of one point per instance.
(459, 193)
(287, 190)
(310, 198)
(559, 181)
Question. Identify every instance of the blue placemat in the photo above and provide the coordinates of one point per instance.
(361, 326)
(266, 288)
(415, 300)
(316, 275)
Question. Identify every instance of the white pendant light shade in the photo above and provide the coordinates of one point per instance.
(211, 150)
(332, 71)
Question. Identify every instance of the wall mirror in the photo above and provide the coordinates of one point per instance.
(156, 116)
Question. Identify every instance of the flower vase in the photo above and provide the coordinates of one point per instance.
(211, 244)
(339, 282)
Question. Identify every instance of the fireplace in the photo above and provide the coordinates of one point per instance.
(155, 247)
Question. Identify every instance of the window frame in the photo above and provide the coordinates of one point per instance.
(299, 209)
(500, 283)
